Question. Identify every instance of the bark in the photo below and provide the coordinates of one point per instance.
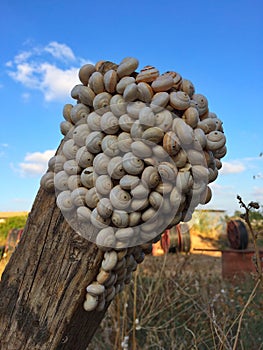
(43, 286)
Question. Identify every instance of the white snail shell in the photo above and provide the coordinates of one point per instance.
(109, 123)
(128, 182)
(70, 149)
(110, 260)
(147, 117)
(124, 142)
(123, 83)
(120, 198)
(132, 164)
(84, 158)
(179, 100)
(87, 177)
(100, 164)
(93, 121)
(164, 120)
(104, 207)
(92, 198)
(85, 72)
(115, 168)
(118, 105)
(127, 66)
(47, 181)
(64, 201)
(83, 214)
(101, 103)
(109, 145)
(104, 184)
(61, 180)
(78, 196)
(71, 167)
(141, 149)
(79, 112)
(150, 177)
(120, 218)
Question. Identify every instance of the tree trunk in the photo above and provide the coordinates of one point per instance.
(43, 286)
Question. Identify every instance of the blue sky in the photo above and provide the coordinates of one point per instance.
(216, 44)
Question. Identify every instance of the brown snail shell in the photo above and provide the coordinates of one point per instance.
(118, 105)
(127, 66)
(96, 82)
(85, 72)
(84, 158)
(187, 87)
(191, 117)
(163, 83)
(103, 184)
(220, 152)
(93, 121)
(130, 93)
(120, 218)
(179, 100)
(75, 91)
(176, 78)
(120, 198)
(147, 75)
(93, 141)
(110, 80)
(86, 95)
(145, 92)
(125, 81)
(153, 134)
(104, 66)
(101, 103)
(180, 159)
(109, 145)
(171, 143)
(109, 123)
(104, 207)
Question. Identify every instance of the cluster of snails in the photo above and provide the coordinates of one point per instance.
(139, 152)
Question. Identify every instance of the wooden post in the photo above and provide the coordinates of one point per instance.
(43, 286)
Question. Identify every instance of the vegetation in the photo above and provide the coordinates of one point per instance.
(10, 223)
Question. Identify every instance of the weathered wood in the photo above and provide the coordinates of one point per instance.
(43, 286)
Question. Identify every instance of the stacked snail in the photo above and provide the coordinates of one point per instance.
(138, 154)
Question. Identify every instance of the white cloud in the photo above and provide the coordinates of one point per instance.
(35, 163)
(52, 69)
(233, 167)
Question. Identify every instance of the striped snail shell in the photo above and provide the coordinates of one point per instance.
(171, 143)
(101, 103)
(215, 140)
(109, 145)
(179, 100)
(191, 117)
(132, 164)
(110, 80)
(145, 92)
(115, 168)
(86, 95)
(120, 198)
(147, 74)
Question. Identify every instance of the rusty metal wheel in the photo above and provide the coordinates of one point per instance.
(237, 234)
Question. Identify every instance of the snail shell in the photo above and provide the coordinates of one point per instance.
(96, 83)
(124, 234)
(103, 184)
(83, 214)
(191, 117)
(104, 207)
(176, 197)
(115, 168)
(101, 103)
(93, 141)
(100, 164)
(184, 181)
(202, 103)
(74, 181)
(208, 125)
(136, 130)
(66, 111)
(120, 218)
(168, 171)
(104, 276)
(164, 187)
(109, 145)
(125, 81)
(139, 204)
(97, 220)
(130, 92)
(134, 218)
(75, 91)
(47, 181)
(180, 159)
(134, 108)
(109, 123)
(141, 191)
(140, 149)
(64, 202)
(127, 66)
(195, 157)
(56, 163)
(65, 127)
(179, 100)
(147, 117)
(95, 288)
(87, 177)
(104, 66)
(61, 181)
(126, 122)
(128, 182)
(155, 199)
(90, 303)
(164, 120)
(145, 92)
(184, 131)
(147, 75)
(106, 239)
(71, 167)
(206, 196)
(78, 196)
(93, 121)
(153, 134)
(215, 140)
(176, 78)
(187, 87)
(70, 149)
(171, 143)
(159, 152)
(118, 105)
(110, 260)
(80, 134)
(124, 142)
(200, 173)
(120, 198)
(132, 164)
(110, 80)
(150, 177)
(84, 158)
(86, 95)
(159, 101)
(199, 138)
(220, 152)
(85, 72)
(163, 83)
(92, 198)
(148, 214)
